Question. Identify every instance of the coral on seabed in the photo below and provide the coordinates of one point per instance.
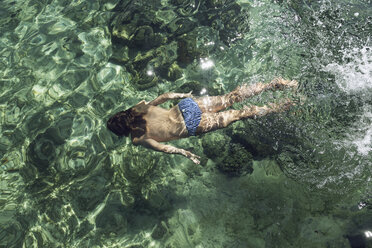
(187, 50)
(231, 158)
(192, 86)
(251, 136)
(238, 161)
(198, 89)
(137, 179)
(215, 145)
(139, 29)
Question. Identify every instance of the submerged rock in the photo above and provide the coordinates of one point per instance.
(231, 158)
(112, 219)
(230, 20)
(145, 38)
(43, 150)
(149, 29)
(174, 72)
(193, 86)
(215, 145)
(181, 26)
(151, 66)
(123, 32)
(121, 54)
(251, 136)
(187, 50)
(198, 89)
(137, 176)
(215, 3)
(159, 231)
(238, 161)
(134, 246)
(235, 24)
(145, 80)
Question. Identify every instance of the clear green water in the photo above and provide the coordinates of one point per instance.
(65, 181)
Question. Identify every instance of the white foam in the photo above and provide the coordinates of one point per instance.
(364, 144)
(363, 137)
(355, 74)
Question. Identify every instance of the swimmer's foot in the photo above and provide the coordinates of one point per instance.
(256, 111)
(280, 83)
(283, 105)
(245, 90)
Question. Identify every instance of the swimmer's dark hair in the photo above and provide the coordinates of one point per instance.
(127, 122)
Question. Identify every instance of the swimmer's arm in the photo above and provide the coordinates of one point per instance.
(168, 96)
(153, 144)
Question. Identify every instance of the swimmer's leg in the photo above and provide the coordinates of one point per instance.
(217, 103)
(213, 121)
(213, 104)
(276, 84)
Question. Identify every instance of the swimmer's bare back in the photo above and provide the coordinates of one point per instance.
(170, 124)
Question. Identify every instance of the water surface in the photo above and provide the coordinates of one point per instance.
(65, 181)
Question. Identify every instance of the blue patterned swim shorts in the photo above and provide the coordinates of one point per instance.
(191, 114)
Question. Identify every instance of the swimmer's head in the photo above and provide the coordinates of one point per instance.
(120, 123)
(127, 122)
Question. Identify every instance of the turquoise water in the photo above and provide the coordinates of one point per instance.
(295, 179)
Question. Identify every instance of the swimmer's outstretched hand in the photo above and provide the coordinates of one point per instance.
(155, 145)
(194, 158)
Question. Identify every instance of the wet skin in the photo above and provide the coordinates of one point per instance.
(168, 124)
